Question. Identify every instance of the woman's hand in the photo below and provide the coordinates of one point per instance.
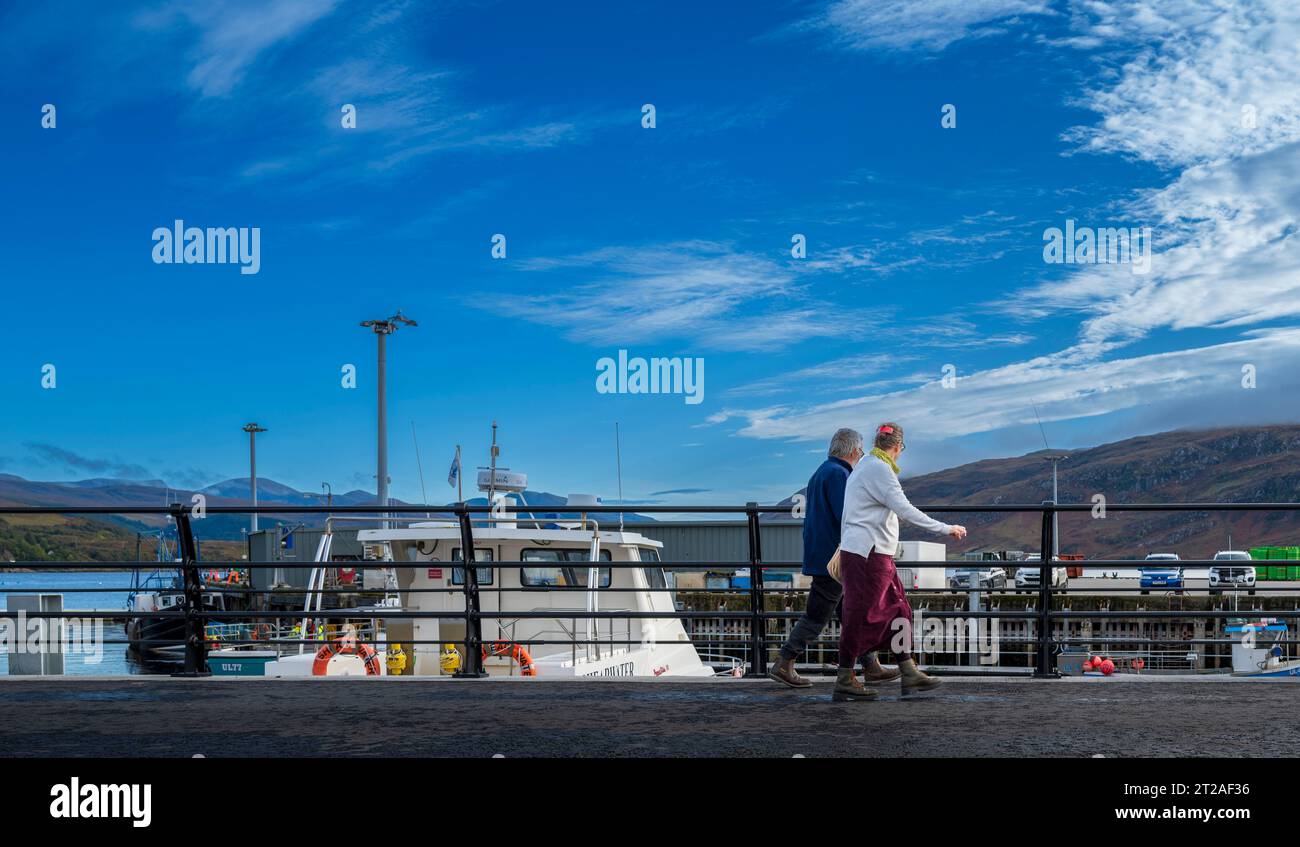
(958, 532)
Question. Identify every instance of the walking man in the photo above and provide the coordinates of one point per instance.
(821, 537)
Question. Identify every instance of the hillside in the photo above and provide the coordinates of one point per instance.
(1253, 464)
(56, 538)
(31, 538)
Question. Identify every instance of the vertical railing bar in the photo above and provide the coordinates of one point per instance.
(1043, 666)
(473, 664)
(757, 618)
(196, 663)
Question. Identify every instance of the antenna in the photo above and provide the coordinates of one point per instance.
(1055, 460)
(618, 462)
(419, 467)
(1040, 424)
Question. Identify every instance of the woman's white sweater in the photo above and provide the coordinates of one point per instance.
(873, 501)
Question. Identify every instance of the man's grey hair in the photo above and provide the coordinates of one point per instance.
(845, 442)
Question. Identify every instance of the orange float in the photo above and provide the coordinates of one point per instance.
(338, 648)
(515, 652)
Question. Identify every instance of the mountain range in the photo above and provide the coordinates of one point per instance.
(113, 538)
(1245, 464)
(1258, 464)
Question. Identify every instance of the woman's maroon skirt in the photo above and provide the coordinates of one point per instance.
(874, 604)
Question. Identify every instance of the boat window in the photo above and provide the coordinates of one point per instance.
(654, 577)
(560, 576)
(481, 554)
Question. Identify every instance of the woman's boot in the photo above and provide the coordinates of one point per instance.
(848, 689)
(915, 680)
(874, 673)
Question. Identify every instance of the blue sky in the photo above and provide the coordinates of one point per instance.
(924, 243)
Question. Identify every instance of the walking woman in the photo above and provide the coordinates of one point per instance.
(874, 603)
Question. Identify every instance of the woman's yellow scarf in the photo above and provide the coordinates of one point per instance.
(884, 457)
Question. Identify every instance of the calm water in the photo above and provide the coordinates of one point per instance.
(83, 590)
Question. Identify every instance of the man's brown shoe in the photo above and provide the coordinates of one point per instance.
(783, 671)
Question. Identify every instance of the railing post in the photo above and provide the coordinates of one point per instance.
(1043, 666)
(196, 660)
(757, 597)
(473, 664)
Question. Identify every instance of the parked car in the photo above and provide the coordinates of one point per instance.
(1028, 577)
(1232, 576)
(1161, 575)
(986, 579)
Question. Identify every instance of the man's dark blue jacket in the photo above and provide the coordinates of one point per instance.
(825, 507)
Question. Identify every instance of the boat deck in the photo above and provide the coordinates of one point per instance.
(1073, 717)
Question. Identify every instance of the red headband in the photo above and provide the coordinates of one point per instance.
(886, 430)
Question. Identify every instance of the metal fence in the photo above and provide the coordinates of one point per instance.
(195, 617)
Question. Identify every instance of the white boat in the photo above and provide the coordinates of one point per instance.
(1252, 657)
(564, 570)
(567, 575)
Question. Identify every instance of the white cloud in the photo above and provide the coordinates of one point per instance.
(1063, 388)
(1191, 70)
(231, 36)
(1226, 228)
(919, 24)
(703, 292)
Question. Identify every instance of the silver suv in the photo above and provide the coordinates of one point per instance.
(1028, 577)
(985, 579)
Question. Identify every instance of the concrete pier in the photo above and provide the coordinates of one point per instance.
(1073, 717)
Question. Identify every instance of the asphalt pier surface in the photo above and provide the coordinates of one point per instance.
(1076, 717)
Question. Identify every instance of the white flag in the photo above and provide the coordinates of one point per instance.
(454, 474)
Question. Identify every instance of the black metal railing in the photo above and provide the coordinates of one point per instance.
(196, 618)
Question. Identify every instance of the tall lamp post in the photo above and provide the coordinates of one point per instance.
(253, 429)
(1056, 529)
(382, 329)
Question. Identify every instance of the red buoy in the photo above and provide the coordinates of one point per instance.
(1108, 667)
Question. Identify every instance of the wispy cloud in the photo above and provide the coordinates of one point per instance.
(1064, 388)
(1203, 91)
(918, 24)
(846, 373)
(231, 36)
(704, 293)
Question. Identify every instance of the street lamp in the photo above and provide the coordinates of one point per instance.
(1056, 530)
(329, 493)
(382, 329)
(253, 429)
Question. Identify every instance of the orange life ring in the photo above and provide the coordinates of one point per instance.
(514, 651)
(329, 651)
